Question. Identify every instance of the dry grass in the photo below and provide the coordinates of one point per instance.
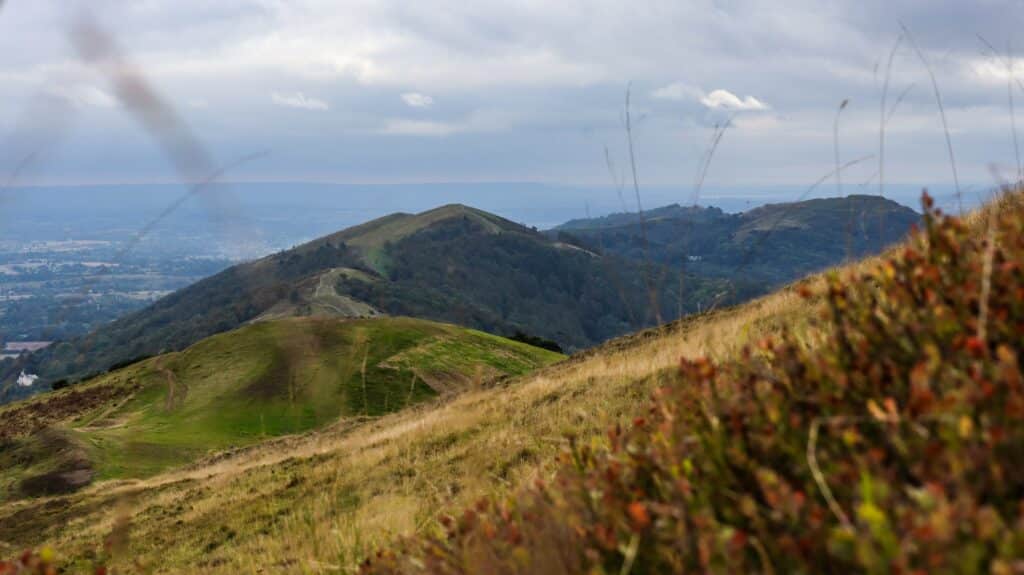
(724, 471)
(319, 502)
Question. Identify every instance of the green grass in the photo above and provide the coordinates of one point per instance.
(271, 379)
(398, 228)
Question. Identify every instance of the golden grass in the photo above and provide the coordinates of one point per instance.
(320, 501)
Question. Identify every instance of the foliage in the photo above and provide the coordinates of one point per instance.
(894, 446)
(758, 249)
(44, 562)
(459, 271)
(536, 341)
(30, 563)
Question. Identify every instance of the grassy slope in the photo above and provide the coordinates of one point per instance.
(317, 503)
(263, 380)
(893, 445)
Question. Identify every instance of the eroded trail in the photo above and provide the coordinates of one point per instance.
(176, 391)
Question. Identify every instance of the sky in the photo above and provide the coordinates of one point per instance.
(391, 91)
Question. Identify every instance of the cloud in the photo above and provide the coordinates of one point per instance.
(417, 100)
(677, 91)
(533, 89)
(299, 100)
(716, 99)
(726, 100)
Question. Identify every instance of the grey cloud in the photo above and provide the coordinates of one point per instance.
(530, 90)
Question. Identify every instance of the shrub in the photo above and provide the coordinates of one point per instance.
(30, 563)
(894, 446)
(536, 341)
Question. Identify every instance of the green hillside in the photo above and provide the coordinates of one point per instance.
(238, 388)
(578, 286)
(454, 264)
(769, 245)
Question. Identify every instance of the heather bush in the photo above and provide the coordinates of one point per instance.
(30, 563)
(896, 445)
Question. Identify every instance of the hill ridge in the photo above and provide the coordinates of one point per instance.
(445, 264)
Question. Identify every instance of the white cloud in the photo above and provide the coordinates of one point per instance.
(726, 100)
(298, 100)
(992, 71)
(417, 100)
(716, 99)
(198, 104)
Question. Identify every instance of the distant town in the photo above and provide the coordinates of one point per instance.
(55, 289)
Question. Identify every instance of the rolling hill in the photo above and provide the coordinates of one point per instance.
(578, 285)
(321, 502)
(238, 388)
(749, 437)
(453, 264)
(770, 245)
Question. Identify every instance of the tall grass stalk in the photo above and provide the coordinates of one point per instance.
(942, 112)
(883, 115)
(651, 292)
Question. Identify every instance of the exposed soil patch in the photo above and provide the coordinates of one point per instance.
(37, 414)
(69, 465)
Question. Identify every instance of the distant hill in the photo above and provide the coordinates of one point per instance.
(577, 285)
(237, 388)
(770, 245)
(670, 212)
(453, 263)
